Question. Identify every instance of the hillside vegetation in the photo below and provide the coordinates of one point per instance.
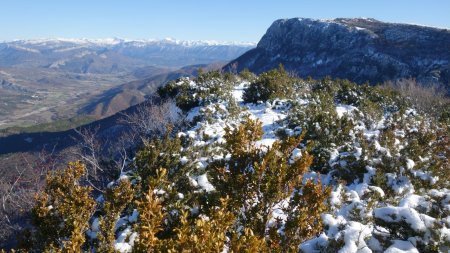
(267, 163)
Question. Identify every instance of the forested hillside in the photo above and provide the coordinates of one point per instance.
(268, 163)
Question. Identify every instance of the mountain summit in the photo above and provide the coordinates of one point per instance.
(357, 49)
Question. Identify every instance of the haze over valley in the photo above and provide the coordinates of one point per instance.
(52, 79)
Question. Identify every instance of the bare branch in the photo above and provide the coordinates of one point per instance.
(90, 147)
(151, 119)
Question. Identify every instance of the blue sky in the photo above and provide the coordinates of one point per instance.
(230, 20)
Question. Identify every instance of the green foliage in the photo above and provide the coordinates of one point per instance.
(269, 176)
(207, 88)
(157, 154)
(304, 215)
(247, 75)
(426, 146)
(429, 141)
(116, 199)
(403, 231)
(248, 242)
(272, 84)
(323, 129)
(202, 235)
(325, 132)
(257, 180)
(151, 217)
(348, 93)
(181, 91)
(444, 115)
(62, 211)
(372, 111)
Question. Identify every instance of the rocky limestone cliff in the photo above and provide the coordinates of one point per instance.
(357, 49)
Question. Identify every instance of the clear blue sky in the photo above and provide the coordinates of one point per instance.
(227, 20)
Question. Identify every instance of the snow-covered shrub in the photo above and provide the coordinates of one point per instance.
(245, 74)
(151, 217)
(209, 87)
(257, 181)
(202, 234)
(156, 154)
(272, 84)
(116, 199)
(348, 93)
(324, 130)
(62, 211)
(372, 112)
(329, 167)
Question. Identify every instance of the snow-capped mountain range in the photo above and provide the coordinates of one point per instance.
(112, 54)
(94, 66)
(117, 41)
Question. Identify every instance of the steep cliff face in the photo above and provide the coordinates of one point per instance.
(357, 49)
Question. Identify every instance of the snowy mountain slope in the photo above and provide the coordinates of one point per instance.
(385, 162)
(361, 50)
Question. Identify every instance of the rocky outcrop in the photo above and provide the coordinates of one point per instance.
(361, 50)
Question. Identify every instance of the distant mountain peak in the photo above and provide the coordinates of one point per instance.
(116, 54)
(359, 49)
(116, 41)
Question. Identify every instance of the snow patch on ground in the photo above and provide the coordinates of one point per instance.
(342, 110)
(203, 182)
